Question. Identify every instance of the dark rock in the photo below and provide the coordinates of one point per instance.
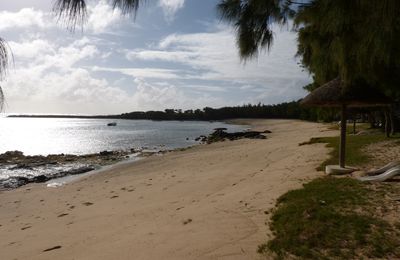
(106, 153)
(21, 166)
(221, 135)
(267, 132)
(40, 179)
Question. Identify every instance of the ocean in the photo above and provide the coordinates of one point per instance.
(44, 136)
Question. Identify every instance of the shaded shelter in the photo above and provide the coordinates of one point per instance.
(335, 94)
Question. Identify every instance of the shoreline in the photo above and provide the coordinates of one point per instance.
(207, 202)
(66, 166)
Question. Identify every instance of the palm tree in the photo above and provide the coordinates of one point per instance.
(352, 39)
(4, 61)
(74, 11)
(253, 20)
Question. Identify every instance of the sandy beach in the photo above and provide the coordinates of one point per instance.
(206, 202)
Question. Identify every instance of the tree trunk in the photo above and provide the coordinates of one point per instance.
(342, 150)
(392, 126)
(371, 119)
(387, 123)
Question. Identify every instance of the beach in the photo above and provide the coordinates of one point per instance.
(206, 202)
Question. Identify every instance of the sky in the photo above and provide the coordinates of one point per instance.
(173, 54)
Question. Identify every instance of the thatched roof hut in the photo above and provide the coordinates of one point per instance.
(334, 94)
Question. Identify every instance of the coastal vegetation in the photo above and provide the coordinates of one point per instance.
(355, 143)
(335, 218)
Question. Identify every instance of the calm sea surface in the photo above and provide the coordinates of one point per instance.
(43, 136)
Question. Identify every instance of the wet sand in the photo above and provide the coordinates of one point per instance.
(207, 202)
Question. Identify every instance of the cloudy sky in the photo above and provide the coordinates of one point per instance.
(175, 54)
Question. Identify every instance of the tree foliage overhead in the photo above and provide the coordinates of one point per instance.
(358, 40)
(352, 39)
(252, 20)
(4, 61)
(74, 12)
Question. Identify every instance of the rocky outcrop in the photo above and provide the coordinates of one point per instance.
(220, 134)
(15, 182)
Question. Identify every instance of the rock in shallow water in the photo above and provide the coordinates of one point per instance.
(15, 182)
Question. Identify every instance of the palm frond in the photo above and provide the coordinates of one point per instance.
(127, 6)
(4, 62)
(4, 58)
(253, 21)
(1, 99)
(72, 12)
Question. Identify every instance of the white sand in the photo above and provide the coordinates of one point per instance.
(139, 209)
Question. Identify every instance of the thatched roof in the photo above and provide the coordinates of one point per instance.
(332, 94)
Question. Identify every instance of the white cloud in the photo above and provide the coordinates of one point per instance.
(48, 79)
(214, 57)
(102, 17)
(58, 72)
(30, 49)
(142, 73)
(172, 56)
(149, 96)
(170, 7)
(25, 18)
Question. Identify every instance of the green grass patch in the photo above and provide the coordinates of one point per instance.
(324, 220)
(354, 145)
(349, 129)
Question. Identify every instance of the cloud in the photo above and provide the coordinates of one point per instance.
(24, 18)
(213, 56)
(30, 49)
(170, 7)
(102, 17)
(149, 96)
(58, 72)
(171, 56)
(47, 78)
(142, 73)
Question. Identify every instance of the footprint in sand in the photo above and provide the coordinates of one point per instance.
(185, 222)
(52, 248)
(87, 203)
(26, 227)
(62, 215)
(113, 197)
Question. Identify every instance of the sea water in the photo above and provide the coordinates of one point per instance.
(44, 136)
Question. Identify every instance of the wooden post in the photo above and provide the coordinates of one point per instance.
(392, 126)
(387, 130)
(342, 150)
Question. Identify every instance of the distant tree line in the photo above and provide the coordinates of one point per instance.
(287, 110)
